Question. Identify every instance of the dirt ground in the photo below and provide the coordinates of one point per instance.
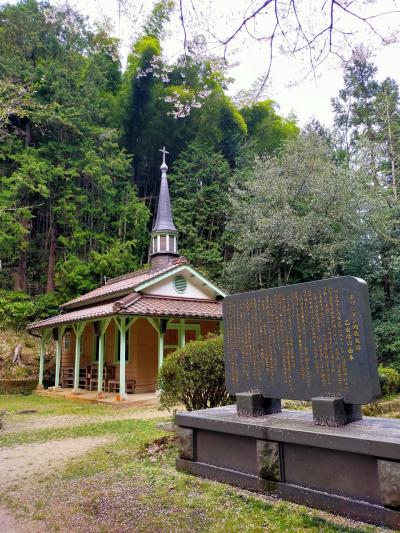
(23, 462)
(9, 523)
(20, 463)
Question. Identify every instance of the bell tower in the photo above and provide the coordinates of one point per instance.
(164, 235)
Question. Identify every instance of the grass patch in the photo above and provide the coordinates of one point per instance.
(13, 403)
(131, 485)
(127, 487)
(117, 488)
(126, 492)
(93, 429)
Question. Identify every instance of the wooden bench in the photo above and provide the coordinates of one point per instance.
(68, 376)
(92, 376)
(130, 384)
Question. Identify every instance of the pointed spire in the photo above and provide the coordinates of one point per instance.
(164, 221)
(164, 235)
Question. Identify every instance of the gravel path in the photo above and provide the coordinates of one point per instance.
(11, 524)
(21, 462)
(46, 422)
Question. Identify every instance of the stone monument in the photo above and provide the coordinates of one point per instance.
(302, 342)
(311, 341)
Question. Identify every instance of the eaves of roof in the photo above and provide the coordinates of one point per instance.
(137, 305)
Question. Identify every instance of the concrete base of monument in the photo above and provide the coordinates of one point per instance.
(352, 470)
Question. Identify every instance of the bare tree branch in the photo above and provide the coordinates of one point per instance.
(271, 49)
(365, 20)
(293, 31)
(183, 27)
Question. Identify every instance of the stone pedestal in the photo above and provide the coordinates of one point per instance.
(254, 404)
(352, 470)
(334, 412)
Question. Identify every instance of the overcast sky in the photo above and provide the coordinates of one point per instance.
(306, 96)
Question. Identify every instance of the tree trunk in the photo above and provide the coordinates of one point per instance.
(387, 291)
(16, 360)
(28, 133)
(20, 273)
(51, 267)
(391, 150)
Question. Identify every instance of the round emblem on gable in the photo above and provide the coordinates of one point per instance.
(180, 284)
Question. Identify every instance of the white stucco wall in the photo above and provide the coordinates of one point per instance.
(195, 287)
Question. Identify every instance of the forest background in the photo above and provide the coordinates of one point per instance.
(258, 202)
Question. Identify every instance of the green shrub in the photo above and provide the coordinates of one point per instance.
(46, 305)
(390, 380)
(194, 376)
(387, 334)
(17, 309)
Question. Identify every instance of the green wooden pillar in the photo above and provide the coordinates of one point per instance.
(100, 365)
(41, 360)
(160, 350)
(122, 361)
(157, 325)
(123, 326)
(60, 334)
(103, 328)
(182, 340)
(78, 329)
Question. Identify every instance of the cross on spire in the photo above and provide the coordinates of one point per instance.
(164, 164)
(163, 244)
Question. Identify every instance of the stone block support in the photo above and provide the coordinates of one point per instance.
(269, 460)
(253, 404)
(389, 481)
(334, 412)
(186, 446)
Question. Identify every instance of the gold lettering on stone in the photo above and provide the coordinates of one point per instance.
(312, 335)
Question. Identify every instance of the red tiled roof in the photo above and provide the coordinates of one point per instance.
(123, 283)
(88, 313)
(172, 306)
(140, 305)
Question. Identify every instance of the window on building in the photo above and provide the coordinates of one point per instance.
(180, 284)
(118, 344)
(96, 347)
(67, 340)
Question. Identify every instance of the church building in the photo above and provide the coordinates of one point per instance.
(115, 338)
